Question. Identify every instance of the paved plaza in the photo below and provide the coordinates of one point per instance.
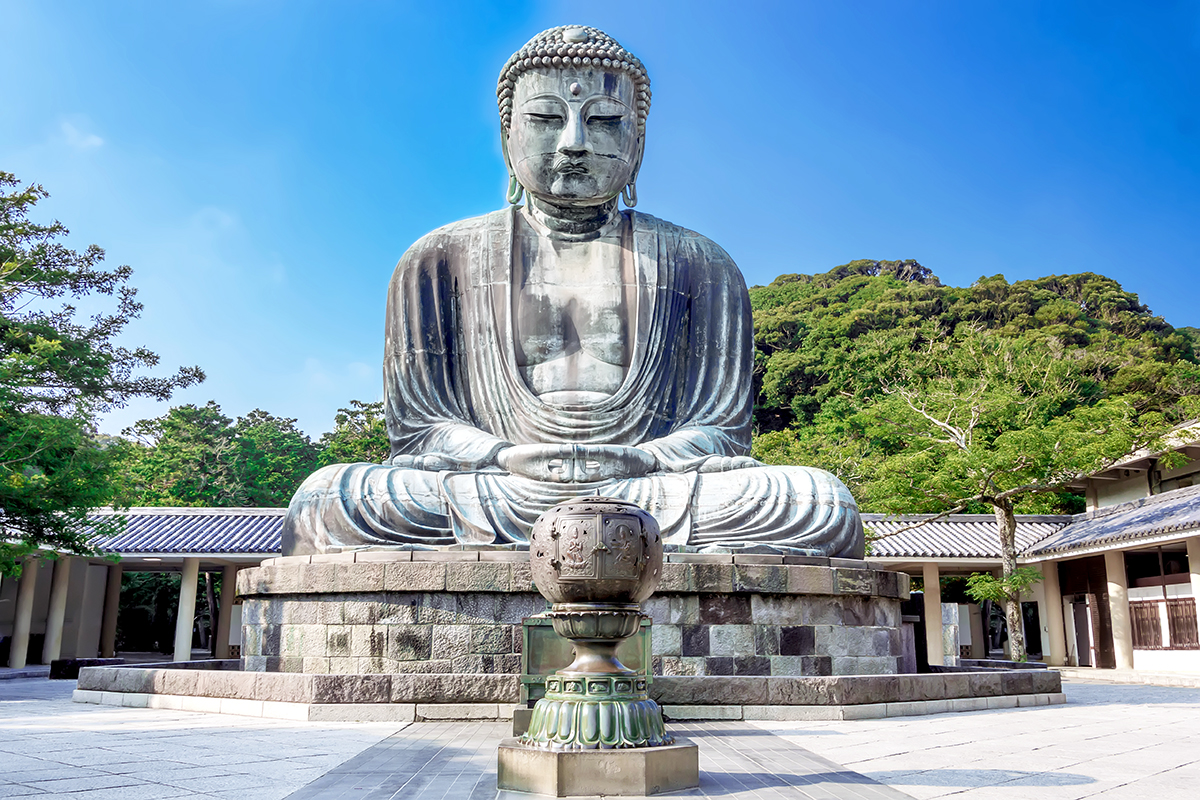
(1109, 741)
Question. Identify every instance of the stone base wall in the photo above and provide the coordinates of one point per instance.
(460, 612)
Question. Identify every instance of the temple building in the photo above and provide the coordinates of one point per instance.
(1119, 587)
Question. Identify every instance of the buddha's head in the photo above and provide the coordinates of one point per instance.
(573, 106)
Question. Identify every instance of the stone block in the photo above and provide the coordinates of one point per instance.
(719, 665)
(677, 578)
(1047, 681)
(792, 713)
(506, 556)
(985, 684)
(957, 684)
(367, 577)
(863, 689)
(368, 641)
(409, 642)
(436, 666)
(817, 665)
(766, 640)
(496, 638)
(316, 666)
(887, 583)
(680, 713)
(318, 578)
(694, 640)
(291, 664)
(225, 683)
(449, 641)
(904, 585)
(776, 609)
(968, 704)
(283, 687)
(1002, 702)
(762, 578)
(712, 578)
(178, 681)
(887, 613)
(415, 576)
(481, 576)
(856, 611)
(666, 640)
(757, 558)
(351, 688)
(498, 664)
(633, 772)
(512, 608)
(454, 688)
(863, 665)
(787, 666)
(381, 556)
(676, 665)
(833, 640)
(271, 635)
(132, 680)
(362, 712)
(821, 611)
(814, 561)
(797, 640)
(804, 691)
(854, 581)
(522, 577)
(343, 665)
(699, 558)
(710, 690)
(445, 555)
(337, 640)
(254, 663)
(804, 579)
(1017, 681)
(731, 640)
(330, 610)
(439, 608)
(922, 687)
(751, 665)
(725, 609)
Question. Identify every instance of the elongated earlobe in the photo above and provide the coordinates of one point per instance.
(515, 190)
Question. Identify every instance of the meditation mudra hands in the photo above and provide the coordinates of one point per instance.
(576, 463)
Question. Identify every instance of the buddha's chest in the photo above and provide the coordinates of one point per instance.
(572, 310)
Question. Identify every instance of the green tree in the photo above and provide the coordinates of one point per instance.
(197, 456)
(359, 435)
(57, 373)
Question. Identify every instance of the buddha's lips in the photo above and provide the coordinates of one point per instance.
(571, 167)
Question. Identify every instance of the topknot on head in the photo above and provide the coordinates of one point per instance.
(572, 45)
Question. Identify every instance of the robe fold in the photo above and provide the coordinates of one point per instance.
(453, 391)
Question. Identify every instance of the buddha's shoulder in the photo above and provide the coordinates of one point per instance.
(701, 250)
(457, 234)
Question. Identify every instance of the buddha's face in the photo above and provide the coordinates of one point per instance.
(574, 134)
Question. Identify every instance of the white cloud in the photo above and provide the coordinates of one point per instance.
(80, 140)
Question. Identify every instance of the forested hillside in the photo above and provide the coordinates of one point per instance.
(837, 352)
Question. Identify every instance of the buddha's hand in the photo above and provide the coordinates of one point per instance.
(727, 463)
(576, 463)
(430, 463)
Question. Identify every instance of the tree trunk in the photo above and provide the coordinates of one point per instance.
(1006, 526)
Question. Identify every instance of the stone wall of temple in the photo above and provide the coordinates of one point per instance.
(460, 611)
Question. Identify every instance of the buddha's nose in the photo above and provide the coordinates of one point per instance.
(574, 140)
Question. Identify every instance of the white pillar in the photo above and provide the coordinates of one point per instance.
(18, 652)
(1118, 608)
(112, 605)
(228, 593)
(57, 613)
(187, 609)
(933, 615)
(1055, 629)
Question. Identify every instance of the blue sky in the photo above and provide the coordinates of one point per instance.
(262, 165)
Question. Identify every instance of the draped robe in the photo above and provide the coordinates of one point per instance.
(453, 390)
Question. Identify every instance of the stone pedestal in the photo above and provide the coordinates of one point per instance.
(628, 772)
